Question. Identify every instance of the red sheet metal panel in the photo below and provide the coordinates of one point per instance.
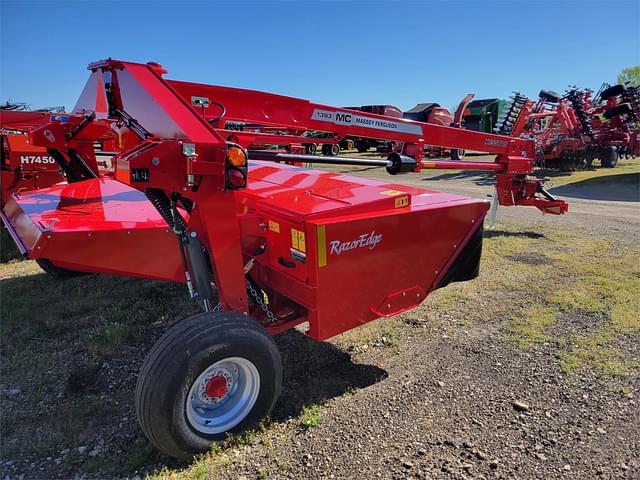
(97, 225)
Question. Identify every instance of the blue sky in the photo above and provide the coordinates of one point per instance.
(344, 53)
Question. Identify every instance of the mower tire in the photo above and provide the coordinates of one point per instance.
(612, 91)
(457, 154)
(624, 108)
(549, 96)
(213, 374)
(310, 148)
(55, 271)
(609, 157)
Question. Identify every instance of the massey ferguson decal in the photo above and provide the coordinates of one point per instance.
(369, 240)
(349, 119)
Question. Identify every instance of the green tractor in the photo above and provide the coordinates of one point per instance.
(481, 115)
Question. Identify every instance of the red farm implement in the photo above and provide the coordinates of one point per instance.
(573, 130)
(264, 246)
(615, 120)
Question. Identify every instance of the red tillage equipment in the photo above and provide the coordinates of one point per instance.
(571, 131)
(264, 246)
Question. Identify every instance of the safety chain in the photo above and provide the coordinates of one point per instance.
(259, 300)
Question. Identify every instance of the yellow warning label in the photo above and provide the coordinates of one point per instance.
(297, 240)
(321, 240)
(428, 164)
(274, 226)
(402, 201)
(391, 192)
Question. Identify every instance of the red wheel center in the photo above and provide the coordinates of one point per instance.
(216, 387)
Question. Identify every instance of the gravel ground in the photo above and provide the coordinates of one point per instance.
(434, 393)
(458, 404)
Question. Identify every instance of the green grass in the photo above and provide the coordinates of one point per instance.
(389, 336)
(592, 281)
(201, 469)
(108, 338)
(529, 327)
(244, 439)
(310, 417)
(564, 178)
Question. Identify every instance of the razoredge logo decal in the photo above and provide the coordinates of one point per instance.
(366, 240)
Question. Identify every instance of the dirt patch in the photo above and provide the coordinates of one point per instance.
(530, 258)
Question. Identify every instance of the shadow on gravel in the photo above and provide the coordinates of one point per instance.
(504, 233)
(613, 188)
(315, 372)
(479, 178)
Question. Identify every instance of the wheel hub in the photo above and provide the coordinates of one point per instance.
(216, 387)
(222, 395)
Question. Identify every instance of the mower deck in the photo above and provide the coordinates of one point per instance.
(89, 225)
(321, 228)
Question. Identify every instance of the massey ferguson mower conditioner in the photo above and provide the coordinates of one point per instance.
(263, 246)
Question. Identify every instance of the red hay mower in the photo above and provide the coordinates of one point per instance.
(264, 246)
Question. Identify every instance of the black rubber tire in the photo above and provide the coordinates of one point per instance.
(612, 91)
(362, 146)
(310, 148)
(176, 361)
(624, 108)
(346, 144)
(581, 161)
(52, 269)
(549, 96)
(457, 154)
(609, 157)
(330, 149)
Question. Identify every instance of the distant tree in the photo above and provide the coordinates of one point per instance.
(631, 75)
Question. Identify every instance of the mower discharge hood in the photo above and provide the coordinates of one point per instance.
(366, 248)
(348, 249)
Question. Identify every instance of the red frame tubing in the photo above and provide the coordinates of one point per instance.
(515, 156)
(269, 109)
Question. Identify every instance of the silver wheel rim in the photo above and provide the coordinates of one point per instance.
(223, 395)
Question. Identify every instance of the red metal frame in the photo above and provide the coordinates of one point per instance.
(515, 156)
